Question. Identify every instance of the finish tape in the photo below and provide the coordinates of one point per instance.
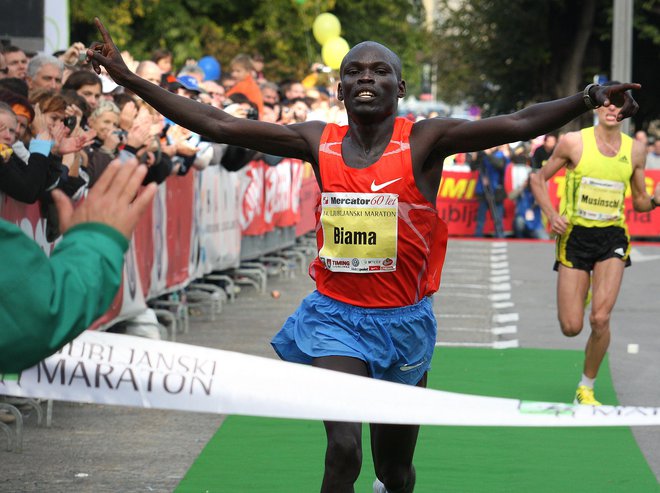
(104, 368)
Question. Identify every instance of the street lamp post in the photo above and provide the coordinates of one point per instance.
(622, 46)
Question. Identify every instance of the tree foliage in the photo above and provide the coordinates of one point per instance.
(505, 54)
(499, 54)
(280, 30)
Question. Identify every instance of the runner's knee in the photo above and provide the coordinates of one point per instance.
(344, 455)
(570, 328)
(600, 321)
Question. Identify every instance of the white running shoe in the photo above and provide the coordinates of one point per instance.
(379, 487)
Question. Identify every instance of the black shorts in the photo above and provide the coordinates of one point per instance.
(580, 247)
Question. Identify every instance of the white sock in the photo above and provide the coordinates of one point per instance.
(589, 382)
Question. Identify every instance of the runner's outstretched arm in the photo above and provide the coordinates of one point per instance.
(453, 135)
(298, 141)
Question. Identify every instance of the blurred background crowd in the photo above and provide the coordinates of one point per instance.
(61, 124)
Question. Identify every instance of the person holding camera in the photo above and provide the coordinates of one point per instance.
(86, 84)
(104, 120)
(491, 165)
(113, 140)
(26, 180)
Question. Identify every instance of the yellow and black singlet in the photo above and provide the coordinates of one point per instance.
(595, 189)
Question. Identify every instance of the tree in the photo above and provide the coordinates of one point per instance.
(506, 54)
(280, 30)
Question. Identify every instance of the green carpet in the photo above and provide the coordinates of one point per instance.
(255, 455)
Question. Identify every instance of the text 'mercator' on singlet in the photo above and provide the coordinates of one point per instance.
(380, 242)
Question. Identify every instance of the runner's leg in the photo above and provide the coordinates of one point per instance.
(572, 289)
(606, 283)
(343, 456)
(393, 447)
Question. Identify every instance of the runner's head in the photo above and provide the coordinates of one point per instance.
(607, 115)
(371, 82)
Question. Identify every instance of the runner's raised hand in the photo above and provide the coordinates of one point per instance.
(107, 54)
(620, 96)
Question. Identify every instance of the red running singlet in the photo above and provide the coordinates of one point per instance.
(381, 243)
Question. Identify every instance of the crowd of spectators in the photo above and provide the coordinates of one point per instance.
(61, 124)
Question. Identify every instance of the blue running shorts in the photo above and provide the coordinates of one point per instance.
(396, 343)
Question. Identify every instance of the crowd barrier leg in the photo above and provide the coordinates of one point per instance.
(170, 322)
(205, 295)
(276, 265)
(297, 256)
(251, 273)
(15, 435)
(49, 413)
(24, 402)
(178, 307)
(226, 282)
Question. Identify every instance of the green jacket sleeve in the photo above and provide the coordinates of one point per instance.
(47, 302)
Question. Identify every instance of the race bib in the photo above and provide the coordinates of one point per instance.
(359, 232)
(600, 200)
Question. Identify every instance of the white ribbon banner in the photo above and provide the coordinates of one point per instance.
(105, 368)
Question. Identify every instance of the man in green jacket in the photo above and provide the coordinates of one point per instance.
(47, 302)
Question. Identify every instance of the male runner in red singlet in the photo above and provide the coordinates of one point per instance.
(381, 244)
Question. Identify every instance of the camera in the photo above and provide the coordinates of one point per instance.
(323, 69)
(70, 122)
(252, 114)
(121, 134)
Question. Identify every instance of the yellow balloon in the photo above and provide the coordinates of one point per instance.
(333, 52)
(326, 26)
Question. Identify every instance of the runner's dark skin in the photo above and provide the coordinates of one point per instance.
(370, 86)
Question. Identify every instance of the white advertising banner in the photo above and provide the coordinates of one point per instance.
(132, 297)
(130, 371)
(159, 267)
(229, 236)
(218, 228)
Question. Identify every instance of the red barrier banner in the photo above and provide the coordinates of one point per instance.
(179, 207)
(457, 205)
(28, 218)
(144, 249)
(297, 175)
(309, 198)
(252, 206)
(277, 191)
(287, 193)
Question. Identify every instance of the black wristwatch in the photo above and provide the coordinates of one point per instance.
(586, 97)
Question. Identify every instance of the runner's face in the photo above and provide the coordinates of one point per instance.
(369, 82)
(607, 115)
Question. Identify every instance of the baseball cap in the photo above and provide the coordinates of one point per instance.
(188, 82)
